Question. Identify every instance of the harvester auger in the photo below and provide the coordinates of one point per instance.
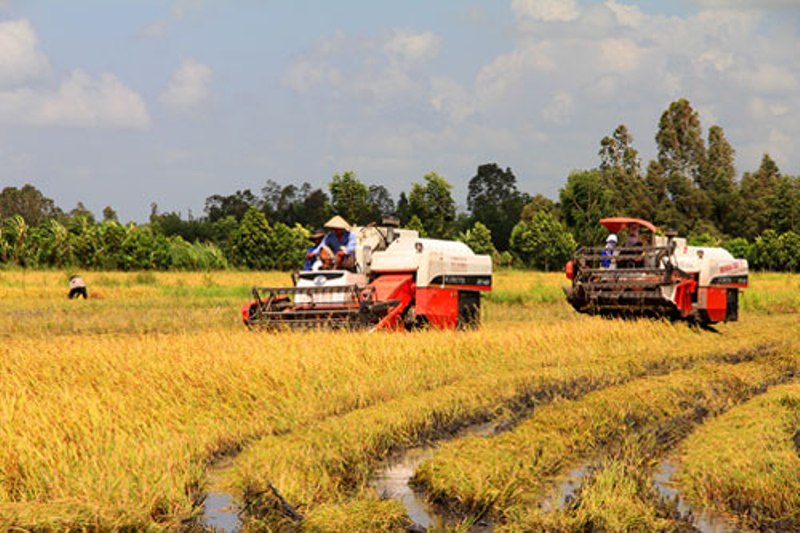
(401, 281)
(658, 276)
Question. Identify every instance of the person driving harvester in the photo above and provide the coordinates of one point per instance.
(339, 245)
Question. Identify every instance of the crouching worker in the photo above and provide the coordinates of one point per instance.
(341, 242)
(77, 287)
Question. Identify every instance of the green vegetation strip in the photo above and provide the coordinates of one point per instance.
(511, 472)
(747, 461)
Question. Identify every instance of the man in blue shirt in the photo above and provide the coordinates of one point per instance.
(311, 254)
(341, 242)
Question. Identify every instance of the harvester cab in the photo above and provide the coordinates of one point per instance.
(656, 274)
(400, 281)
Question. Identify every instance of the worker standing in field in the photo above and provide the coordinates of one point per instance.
(341, 241)
(77, 287)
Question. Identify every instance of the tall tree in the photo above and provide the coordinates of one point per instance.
(235, 205)
(538, 203)
(27, 202)
(542, 243)
(681, 153)
(252, 242)
(758, 190)
(380, 202)
(621, 170)
(433, 204)
(785, 207)
(718, 180)
(350, 197)
(493, 199)
(584, 201)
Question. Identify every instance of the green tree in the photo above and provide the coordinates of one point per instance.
(764, 253)
(27, 202)
(416, 224)
(433, 204)
(110, 254)
(479, 239)
(350, 197)
(16, 231)
(380, 203)
(251, 243)
(493, 200)
(543, 243)
(682, 155)
(739, 247)
(289, 246)
(758, 191)
(788, 251)
(621, 171)
(784, 212)
(235, 205)
(718, 180)
(538, 203)
(585, 200)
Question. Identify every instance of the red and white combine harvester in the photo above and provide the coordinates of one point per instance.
(401, 281)
(656, 275)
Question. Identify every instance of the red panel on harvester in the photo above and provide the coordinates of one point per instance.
(440, 306)
(716, 302)
(393, 287)
(387, 285)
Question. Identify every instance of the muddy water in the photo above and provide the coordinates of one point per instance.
(704, 520)
(220, 512)
(393, 479)
(565, 489)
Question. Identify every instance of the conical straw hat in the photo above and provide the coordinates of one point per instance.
(337, 222)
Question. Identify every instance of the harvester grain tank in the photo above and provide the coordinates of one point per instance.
(661, 275)
(401, 281)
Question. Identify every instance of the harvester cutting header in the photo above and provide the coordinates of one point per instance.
(377, 277)
(655, 274)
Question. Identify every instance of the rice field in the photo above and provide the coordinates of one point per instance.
(114, 411)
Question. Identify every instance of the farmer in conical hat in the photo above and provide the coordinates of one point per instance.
(341, 242)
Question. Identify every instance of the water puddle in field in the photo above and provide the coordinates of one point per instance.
(565, 490)
(703, 520)
(393, 481)
(220, 511)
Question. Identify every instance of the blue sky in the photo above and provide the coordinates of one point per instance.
(126, 103)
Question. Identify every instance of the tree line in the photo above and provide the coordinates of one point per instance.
(691, 187)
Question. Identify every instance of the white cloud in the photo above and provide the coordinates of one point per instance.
(761, 109)
(560, 109)
(626, 15)
(747, 4)
(180, 9)
(412, 48)
(545, 10)
(765, 79)
(451, 99)
(189, 86)
(80, 101)
(20, 59)
(620, 55)
(375, 71)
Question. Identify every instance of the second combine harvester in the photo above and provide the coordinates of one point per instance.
(401, 281)
(660, 275)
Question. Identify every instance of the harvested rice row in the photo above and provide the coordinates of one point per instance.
(747, 461)
(331, 461)
(512, 471)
